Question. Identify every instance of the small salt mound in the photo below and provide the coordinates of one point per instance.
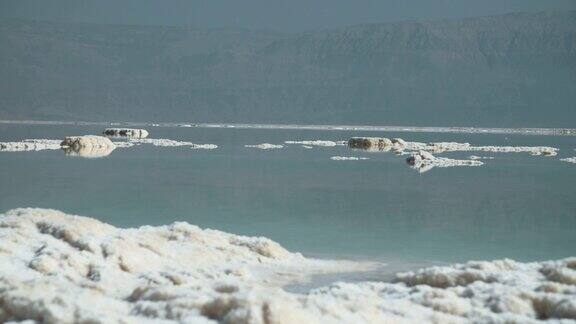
(88, 146)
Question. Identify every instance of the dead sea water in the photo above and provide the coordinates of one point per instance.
(514, 206)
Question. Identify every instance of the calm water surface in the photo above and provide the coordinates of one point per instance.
(516, 206)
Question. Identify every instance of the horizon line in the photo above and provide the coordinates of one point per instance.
(361, 128)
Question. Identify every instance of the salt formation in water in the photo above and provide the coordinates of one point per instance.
(398, 144)
(95, 146)
(376, 143)
(265, 146)
(30, 145)
(347, 158)
(127, 132)
(58, 268)
(123, 144)
(317, 143)
(570, 159)
(424, 161)
(452, 146)
(172, 143)
(88, 146)
(474, 157)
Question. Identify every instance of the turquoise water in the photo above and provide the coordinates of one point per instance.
(516, 206)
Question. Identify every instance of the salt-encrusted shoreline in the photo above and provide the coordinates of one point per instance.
(59, 268)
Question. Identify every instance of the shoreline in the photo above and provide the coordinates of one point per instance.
(541, 131)
(64, 268)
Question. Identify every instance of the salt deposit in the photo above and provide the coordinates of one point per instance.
(398, 144)
(127, 132)
(369, 142)
(59, 268)
(172, 143)
(451, 147)
(347, 158)
(265, 146)
(30, 145)
(474, 157)
(88, 146)
(424, 161)
(317, 143)
(95, 146)
(124, 144)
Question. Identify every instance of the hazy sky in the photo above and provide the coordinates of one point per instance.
(281, 15)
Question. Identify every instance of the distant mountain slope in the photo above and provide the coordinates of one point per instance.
(509, 70)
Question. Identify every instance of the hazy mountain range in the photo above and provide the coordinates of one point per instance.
(508, 70)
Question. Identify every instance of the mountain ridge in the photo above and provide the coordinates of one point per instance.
(509, 70)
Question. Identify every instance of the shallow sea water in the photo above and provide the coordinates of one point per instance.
(515, 206)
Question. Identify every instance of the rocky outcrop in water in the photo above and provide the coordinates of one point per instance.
(377, 144)
(59, 268)
(126, 132)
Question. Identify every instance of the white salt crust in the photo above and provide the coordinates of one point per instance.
(59, 268)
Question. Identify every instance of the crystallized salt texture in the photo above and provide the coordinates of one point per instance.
(57, 268)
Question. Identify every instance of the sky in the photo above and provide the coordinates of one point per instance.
(278, 15)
